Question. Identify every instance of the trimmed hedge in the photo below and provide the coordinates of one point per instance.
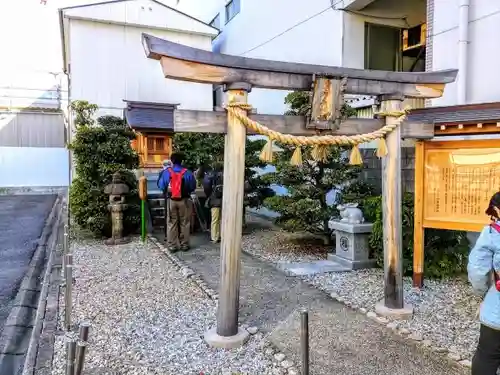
(101, 149)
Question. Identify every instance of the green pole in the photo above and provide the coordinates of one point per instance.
(143, 220)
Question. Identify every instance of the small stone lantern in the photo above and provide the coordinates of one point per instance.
(116, 191)
(352, 234)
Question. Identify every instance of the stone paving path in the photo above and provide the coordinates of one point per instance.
(342, 341)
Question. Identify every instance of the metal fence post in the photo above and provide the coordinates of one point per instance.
(304, 341)
(70, 356)
(81, 347)
(68, 294)
(65, 248)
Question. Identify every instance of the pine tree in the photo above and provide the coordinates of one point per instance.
(305, 207)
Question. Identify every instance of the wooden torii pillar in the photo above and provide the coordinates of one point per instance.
(238, 75)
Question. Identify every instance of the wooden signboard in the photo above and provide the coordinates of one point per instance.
(454, 181)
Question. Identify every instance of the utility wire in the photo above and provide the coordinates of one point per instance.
(332, 6)
(474, 20)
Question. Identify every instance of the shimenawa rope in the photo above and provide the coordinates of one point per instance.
(319, 142)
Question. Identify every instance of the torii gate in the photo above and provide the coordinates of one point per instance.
(238, 75)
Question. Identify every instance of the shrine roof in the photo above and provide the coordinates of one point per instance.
(150, 116)
(483, 112)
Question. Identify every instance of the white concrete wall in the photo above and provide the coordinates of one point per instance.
(140, 13)
(108, 64)
(204, 10)
(483, 76)
(33, 167)
(261, 20)
(333, 38)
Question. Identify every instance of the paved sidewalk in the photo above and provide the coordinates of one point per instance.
(342, 341)
(22, 218)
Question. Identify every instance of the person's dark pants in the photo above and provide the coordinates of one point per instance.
(486, 360)
(179, 223)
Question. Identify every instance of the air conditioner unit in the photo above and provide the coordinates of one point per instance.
(414, 37)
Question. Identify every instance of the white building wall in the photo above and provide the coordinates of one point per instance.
(31, 76)
(33, 167)
(261, 20)
(483, 75)
(334, 37)
(204, 10)
(108, 65)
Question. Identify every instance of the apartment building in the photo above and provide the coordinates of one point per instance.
(357, 34)
(401, 35)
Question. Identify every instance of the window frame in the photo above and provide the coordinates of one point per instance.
(216, 18)
(367, 51)
(229, 4)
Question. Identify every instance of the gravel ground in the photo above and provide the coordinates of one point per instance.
(275, 245)
(147, 318)
(444, 311)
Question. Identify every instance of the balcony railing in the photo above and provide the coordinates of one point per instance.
(368, 112)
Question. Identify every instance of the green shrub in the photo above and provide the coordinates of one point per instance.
(99, 150)
(445, 251)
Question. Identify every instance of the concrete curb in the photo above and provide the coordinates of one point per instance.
(269, 349)
(185, 270)
(31, 354)
(21, 320)
(393, 325)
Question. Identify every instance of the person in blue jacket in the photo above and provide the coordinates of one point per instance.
(483, 270)
(182, 183)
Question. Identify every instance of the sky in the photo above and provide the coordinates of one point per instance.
(31, 42)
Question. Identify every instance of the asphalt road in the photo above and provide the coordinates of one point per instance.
(22, 218)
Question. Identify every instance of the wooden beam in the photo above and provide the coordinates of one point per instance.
(196, 65)
(232, 221)
(156, 48)
(203, 73)
(467, 129)
(418, 227)
(191, 121)
(392, 216)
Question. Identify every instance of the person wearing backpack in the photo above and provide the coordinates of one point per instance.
(213, 187)
(483, 270)
(182, 183)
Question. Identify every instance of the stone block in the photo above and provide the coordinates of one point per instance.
(352, 245)
(216, 341)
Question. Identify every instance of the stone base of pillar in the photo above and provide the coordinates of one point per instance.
(405, 313)
(213, 339)
(117, 241)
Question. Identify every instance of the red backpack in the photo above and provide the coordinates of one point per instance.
(176, 183)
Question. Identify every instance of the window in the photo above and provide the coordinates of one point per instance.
(215, 22)
(382, 47)
(232, 9)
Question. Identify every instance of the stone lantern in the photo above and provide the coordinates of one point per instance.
(117, 191)
(352, 235)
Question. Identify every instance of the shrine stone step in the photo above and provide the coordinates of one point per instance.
(311, 268)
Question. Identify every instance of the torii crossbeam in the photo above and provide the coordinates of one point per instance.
(238, 75)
